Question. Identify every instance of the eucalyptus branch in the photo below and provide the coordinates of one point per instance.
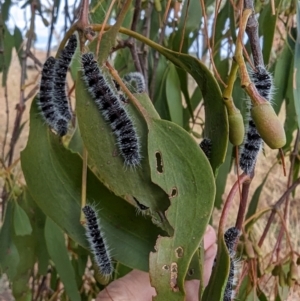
(286, 208)
(54, 14)
(275, 208)
(243, 205)
(252, 32)
(243, 178)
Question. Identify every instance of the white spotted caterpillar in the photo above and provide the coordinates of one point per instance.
(112, 110)
(97, 242)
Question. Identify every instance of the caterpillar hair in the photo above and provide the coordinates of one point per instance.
(231, 237)
(60, 77)
(112, 110)
(140, 208)
(206, 146)
(45, 100)
(135, 81)
(97, 242)
(263, 81)
(252, 145)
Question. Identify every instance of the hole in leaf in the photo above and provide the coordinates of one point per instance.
(179, 252)
(173, 192)
(159, 163)
(191, 272)
(166, 267)
(140, 205)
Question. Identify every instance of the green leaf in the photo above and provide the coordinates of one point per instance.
(215, 113)
(101, 145)
(296, 85)
(21, 221)
(173, 94)
(217, 282)
(187, 27)
(252, 296)
(58, 192)
(267, 25)
(9, 255)
(221, 179)
(182, 170)
(18, 41)
(282, 72)
(6, 58)
(55, 241)
(194, 102)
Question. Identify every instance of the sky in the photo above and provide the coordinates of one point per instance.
(18, 16)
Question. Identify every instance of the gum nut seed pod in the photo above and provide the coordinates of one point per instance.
(294, 270)
(249, 249)
(258, 250)
(282, 278)
(276, 270)
(290, 281)
(157, 5)
(270, 268)
(268, 125)
(236, 128)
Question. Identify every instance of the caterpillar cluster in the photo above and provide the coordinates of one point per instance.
(97, 242)
(230, 237)
(52, 100)
(206, 146)
(263, 82)
(111, 108)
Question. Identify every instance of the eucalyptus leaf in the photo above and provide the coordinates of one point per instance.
(55, 241)
(21, 221)
(173, 95)
(58, 194)
(183, 171)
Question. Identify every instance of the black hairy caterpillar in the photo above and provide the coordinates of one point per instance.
(231, 237)
(263, 82)
(45, 102)
(134, 81)
(112, 110)
(60, 75)
(97, 242)
(206, 146)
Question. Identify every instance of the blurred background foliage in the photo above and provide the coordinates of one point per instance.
(185, 54)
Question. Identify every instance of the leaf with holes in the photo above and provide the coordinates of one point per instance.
(180, 168)
(216, 121)
(58, 192)
(101, 145)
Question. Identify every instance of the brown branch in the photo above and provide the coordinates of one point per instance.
(252, 32)
(275, 208)
(243, 178)
(208, 44)
(7, 120)
(286, 207)
(243, 205)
